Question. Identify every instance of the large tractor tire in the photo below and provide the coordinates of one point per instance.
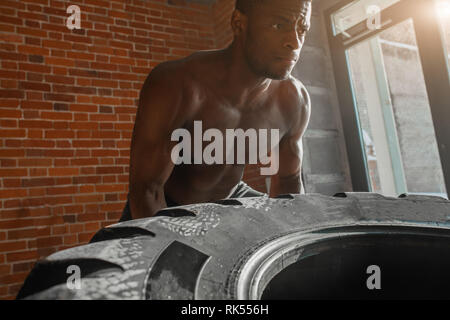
(292, 247)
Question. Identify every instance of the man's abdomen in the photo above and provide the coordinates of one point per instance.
(200, 183)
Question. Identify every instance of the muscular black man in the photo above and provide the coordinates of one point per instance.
(245, 86)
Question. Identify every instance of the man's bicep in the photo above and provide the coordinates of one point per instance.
(150, 159)
(291, 148)
(158, 116)
(158, 112)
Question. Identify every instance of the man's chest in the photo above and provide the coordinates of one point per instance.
(219, 133)
(223, 116)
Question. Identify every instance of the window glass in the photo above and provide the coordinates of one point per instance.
(443, 8)
(394, 113)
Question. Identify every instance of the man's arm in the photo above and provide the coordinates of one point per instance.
(151, 164)
(288, 179)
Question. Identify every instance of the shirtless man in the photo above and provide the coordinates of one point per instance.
(247, 85)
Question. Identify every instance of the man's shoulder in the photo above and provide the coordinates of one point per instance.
(294, 104)
(187, 67)
(181, 74)
(294, 90)
(294, 96)
(168, 72)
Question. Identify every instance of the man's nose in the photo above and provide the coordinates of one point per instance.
(293, 41)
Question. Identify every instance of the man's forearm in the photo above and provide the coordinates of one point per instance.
(292, 184)
(146, 202)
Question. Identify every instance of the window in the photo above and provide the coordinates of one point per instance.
(394, 113)
(394, 90)
(443, 10)
(355, 13)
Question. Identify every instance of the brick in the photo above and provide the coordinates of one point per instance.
(42, 224)
(83, 107)
(11, 183)
(12, 153)
(103, 117)
(108, 179)
(109, 170)
(76, 38)
(13, 193)
(86, 143)
(59, 153)
(59, 97)
(57, 115)
(9, 123)
(11, 94)
(34, 86)
(13, 172)
(12, 133)
(34, 67)
(20, 256)
(37, 192)
(110, 197)
(70, 239)
(35, 162)
(60, 107)
(11, 246)
(13, 143)
(105, 134)
(33, 50)
(61, 190)
(9, 74)
(49, 241)
(57, 44)
(5, 269)
(73, 89)
(22, 234)
(9, 84)
(112, 207)
(23, 267)
(9, 103)
(88, 199)
(59, 134)
(59, 79)
(8, 163)
(63, 171)
(14, 278)
(36, 105)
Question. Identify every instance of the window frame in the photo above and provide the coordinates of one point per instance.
(434, 61)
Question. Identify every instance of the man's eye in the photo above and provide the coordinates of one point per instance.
(277, 26)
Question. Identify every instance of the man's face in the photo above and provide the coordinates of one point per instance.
(275, 35)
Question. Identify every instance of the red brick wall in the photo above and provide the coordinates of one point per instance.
(222, 10)
(67, 106)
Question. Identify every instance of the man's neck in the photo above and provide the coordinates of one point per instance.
(242, 82)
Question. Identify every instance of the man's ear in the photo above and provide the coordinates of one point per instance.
(238, 22)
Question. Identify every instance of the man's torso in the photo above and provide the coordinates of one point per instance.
(209, 100)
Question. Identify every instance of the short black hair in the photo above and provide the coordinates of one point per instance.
(245, 6)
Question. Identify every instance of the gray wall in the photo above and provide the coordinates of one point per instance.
(325, 166)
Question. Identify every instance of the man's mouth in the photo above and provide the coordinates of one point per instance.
(289, 59)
